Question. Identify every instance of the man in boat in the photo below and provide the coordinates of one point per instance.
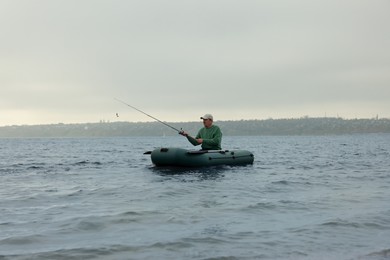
(210, 136)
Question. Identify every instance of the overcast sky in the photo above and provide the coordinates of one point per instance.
(66, 60)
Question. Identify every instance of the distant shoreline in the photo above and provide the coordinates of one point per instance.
(300, 126)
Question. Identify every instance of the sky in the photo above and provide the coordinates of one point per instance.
(65, 61)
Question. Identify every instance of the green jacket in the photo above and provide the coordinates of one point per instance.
(212, 138)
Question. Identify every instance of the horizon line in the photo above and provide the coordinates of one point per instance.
(103, 121)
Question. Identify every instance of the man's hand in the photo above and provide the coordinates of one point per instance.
(183, 133)
(200, 140)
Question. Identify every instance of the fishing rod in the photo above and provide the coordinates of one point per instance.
(148, 115)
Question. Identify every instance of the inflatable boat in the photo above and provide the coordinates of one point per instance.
(199, 158)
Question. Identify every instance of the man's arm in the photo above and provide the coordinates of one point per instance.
(192, 140)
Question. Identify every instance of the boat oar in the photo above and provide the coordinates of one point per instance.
(207, 151)
(199, 151)
(148, 115)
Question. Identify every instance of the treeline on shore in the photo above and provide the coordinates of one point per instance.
(301, 126)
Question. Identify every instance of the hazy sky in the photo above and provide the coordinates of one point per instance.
(66, 60)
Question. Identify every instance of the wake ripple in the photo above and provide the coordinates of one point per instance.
(380, 255)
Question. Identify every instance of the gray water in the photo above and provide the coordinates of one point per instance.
(306, 197)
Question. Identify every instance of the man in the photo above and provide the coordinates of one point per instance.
(209, 136)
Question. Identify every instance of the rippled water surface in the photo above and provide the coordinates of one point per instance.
(306, 197)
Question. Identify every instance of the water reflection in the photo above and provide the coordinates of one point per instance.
(201, 173)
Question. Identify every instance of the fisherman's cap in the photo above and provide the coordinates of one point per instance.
(207, 116)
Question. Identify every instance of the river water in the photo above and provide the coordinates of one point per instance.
(305, 197)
